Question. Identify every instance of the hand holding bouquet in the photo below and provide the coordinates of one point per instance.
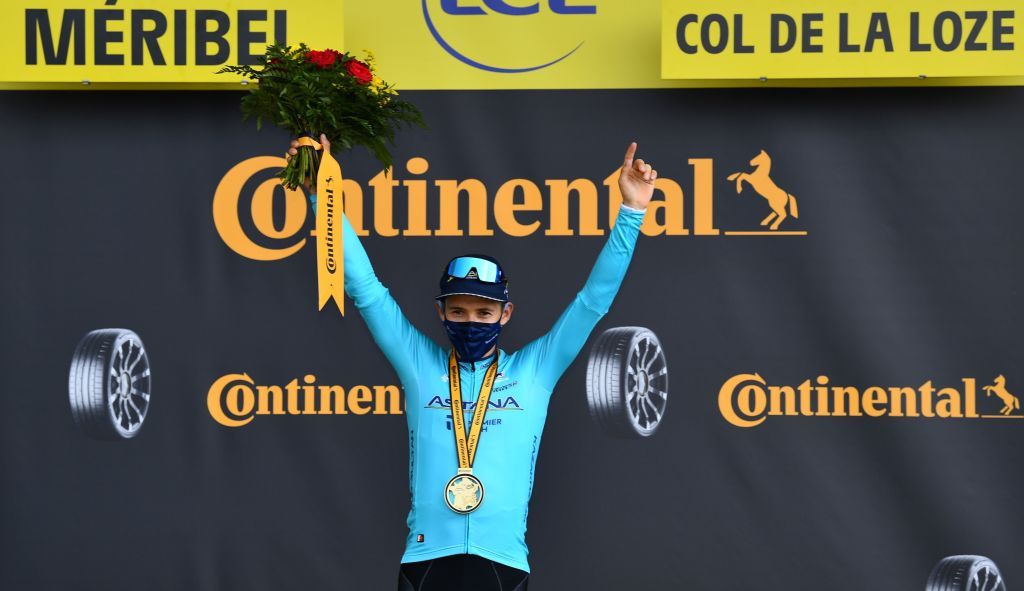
(328, 92)
(324, 94)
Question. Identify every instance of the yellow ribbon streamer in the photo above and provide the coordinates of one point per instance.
(330, 260)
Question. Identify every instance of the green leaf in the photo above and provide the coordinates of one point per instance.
(298, 96)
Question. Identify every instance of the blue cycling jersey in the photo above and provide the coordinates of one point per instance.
(507, 449)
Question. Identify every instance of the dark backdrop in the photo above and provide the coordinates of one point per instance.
(910, 272)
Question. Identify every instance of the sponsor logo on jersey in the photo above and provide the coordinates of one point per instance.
(495, 403)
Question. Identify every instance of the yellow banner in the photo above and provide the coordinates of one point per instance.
(499, 44)
(75, 42)
(710, 39)
(521, 44)
(473, 44)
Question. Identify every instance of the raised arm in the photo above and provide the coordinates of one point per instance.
(402, 343)
(556, 349)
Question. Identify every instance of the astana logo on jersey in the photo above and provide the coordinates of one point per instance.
(496, 403)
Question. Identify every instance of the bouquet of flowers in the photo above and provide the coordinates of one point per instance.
(310, 92)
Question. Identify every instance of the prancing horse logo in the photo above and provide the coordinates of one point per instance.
(998, 387)
(760, 180)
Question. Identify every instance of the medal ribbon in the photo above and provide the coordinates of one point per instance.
(466, 447)
(330, 260)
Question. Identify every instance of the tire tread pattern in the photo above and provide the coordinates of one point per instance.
(953, 573)
(88, 378)
(606, 382)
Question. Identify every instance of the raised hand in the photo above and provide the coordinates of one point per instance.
(294, 149)
(636, 180)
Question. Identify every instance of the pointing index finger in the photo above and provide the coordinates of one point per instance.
(628, 161)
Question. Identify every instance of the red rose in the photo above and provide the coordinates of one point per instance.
(360, 71)
(322, 59)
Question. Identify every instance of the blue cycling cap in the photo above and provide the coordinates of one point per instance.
(474, 274)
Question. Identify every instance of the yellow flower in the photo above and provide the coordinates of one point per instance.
(377, 84)
(369, 59)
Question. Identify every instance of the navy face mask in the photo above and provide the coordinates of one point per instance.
(472, 339)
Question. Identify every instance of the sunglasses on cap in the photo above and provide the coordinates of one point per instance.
(475, 268)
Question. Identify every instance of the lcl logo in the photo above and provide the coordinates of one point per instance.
(496, 9)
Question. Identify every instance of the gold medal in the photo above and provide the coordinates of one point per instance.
(464, 492)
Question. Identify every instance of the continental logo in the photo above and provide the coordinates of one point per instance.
(747, 400)
(259, 219)
(553, 27)
(234, 400)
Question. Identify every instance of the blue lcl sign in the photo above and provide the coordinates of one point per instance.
(500, 7)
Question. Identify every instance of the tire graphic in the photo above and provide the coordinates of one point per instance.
(965, 573)
(627, 382)
(109, 384)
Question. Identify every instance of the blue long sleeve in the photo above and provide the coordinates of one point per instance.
(406, 347)
(402, 343)
(556, 349)
(507, 452)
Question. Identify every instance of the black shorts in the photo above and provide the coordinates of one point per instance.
(458, 572)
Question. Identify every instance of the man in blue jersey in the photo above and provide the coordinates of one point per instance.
(471, 473)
